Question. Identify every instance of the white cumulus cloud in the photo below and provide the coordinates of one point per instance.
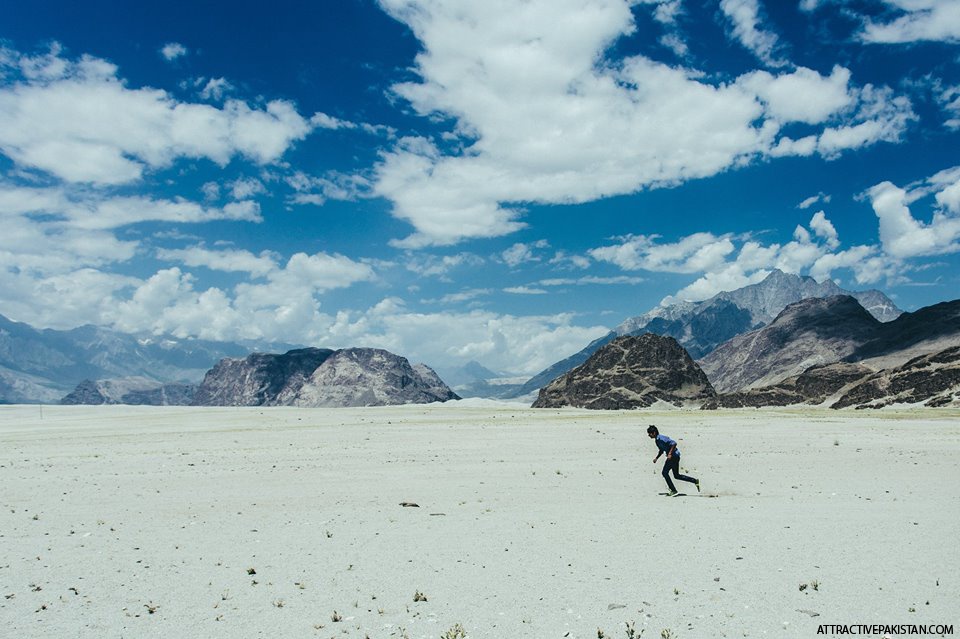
(216, 89)
(902, 235)
(814, 199)
(949, 100)
(803, 95)
(520, 253)
(692, 254)
(728, 262)
(521, 344)
(748, 29)
(933, 20)
(173, 50)
(524, 290)
(543, 117)
(80, 122)
(592, 280)
(232, 260)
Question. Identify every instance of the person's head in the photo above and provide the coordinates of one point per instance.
(652, 431)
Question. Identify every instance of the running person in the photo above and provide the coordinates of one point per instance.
(668, 446)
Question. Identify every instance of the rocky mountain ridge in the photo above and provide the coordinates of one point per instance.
(259, 378)
(824, 331)
(765, 300)
(806, 333)
(932, 379)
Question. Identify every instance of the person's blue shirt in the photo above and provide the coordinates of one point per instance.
(664, 443)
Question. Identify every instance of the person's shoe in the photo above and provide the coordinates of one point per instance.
(698, 485)
(673, 493)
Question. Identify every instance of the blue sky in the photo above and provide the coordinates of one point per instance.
(500, 181)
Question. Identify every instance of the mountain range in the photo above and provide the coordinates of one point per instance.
(473, 379)
(700, 327)
(826, 330)
(42, 365)
(820, 351)
(786, 339)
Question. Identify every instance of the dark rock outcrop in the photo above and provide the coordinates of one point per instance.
(813, 386)
(932, 379)
(87, 392)
(432, 385)
(630, 372)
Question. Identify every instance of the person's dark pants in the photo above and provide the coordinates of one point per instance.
(673, 464)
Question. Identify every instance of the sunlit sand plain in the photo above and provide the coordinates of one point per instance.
(244, 522)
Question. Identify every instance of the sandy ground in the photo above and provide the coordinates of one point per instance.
(184, 522)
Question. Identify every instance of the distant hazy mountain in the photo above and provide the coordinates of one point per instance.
(476, 380)
(827, 330)
(44, 365)
(700, 327)
(321, 377)
(131, 390)
(471, 372)
(630, 372)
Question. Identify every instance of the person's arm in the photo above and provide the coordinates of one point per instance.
(659, 452)
(670, 452)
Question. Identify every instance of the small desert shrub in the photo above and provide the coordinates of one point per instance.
(455, 632)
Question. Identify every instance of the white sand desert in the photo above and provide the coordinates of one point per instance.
(181, 522)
